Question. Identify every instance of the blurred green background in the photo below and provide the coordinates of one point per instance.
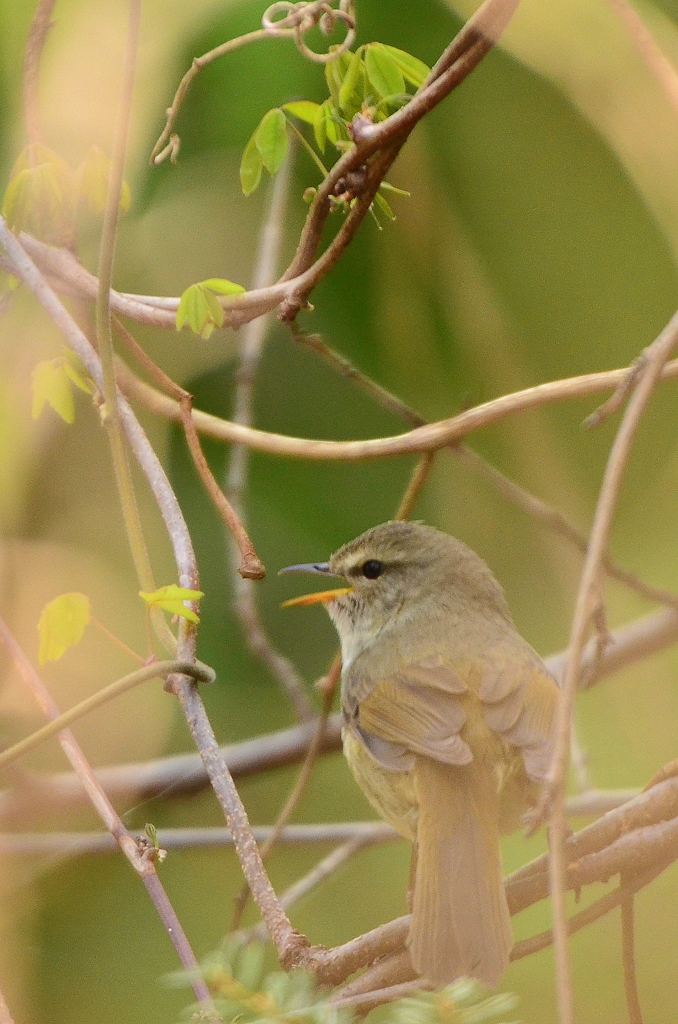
(540, 242)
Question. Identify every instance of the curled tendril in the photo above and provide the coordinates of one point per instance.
(286, 18)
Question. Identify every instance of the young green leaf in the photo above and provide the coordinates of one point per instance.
(320, 126)
(251, 166)
(92, 178)
(351, 95)
(62, 624)
(39, 199)
(383, 72)
(413, 70)
(272, 140)
(222, 286)
(76, 371)
(51, 385)
(384, 207)
(334, 73)
(200, 309)
(171, 599)
(304, 110)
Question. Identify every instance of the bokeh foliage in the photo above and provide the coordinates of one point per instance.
(532, 248)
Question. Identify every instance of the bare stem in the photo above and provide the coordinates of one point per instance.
(251, 566)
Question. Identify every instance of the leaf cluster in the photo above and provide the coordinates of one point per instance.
(375, 80)
(243, 993)
(46, 197)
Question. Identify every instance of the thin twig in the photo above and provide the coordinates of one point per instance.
(362, 1004)
(415, 486)
(141, 863)
(629, 955)
(659, 65)
(291, 803)
(112, 419)
(430, 437)
(251, 566)
(558, 521)
(554, 790)
(293, 26)
(62, 845)
(169, 386)
(157, 670)
(37, 35)
(252, 344)
(318, 873)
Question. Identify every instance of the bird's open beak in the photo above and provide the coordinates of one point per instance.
(323, 596)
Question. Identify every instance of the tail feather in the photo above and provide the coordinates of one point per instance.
(460, 919)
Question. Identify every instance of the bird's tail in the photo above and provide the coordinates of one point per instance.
(460, 919)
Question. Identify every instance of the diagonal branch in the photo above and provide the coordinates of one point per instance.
(141, 862)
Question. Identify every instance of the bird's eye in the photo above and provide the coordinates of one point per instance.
(372, 568)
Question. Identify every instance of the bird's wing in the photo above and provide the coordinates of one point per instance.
(521, 701)
(413, 714)
(425, 706)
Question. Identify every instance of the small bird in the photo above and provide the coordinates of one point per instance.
(448, 728)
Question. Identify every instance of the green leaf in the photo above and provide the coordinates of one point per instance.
(76, 372)
(171, 598)
(92, 177)
(412, 69)
(272, 140)
(250, 167)
(200, 309)
(62, 624)
(383, 72)
(304, 110)
(335, 71)
(329, 126)
(51, 385)
(384, 207)
(351, 96)
(397, 191)
(222, 286)
(40, 196)
(320, 127)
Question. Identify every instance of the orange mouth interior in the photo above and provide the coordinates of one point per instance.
(320, 598)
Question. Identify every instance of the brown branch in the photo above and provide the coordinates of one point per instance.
(251, 566)
(291, 803)
(427, 438)
(252, 343)
(140, 861)
(655, 60)
(362, 1004)
(62, 845)
(519, 497)
(376, 146)
(553, 795)
(318, 873)
(293, 26)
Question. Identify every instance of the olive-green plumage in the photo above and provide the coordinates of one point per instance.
(448, 728)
